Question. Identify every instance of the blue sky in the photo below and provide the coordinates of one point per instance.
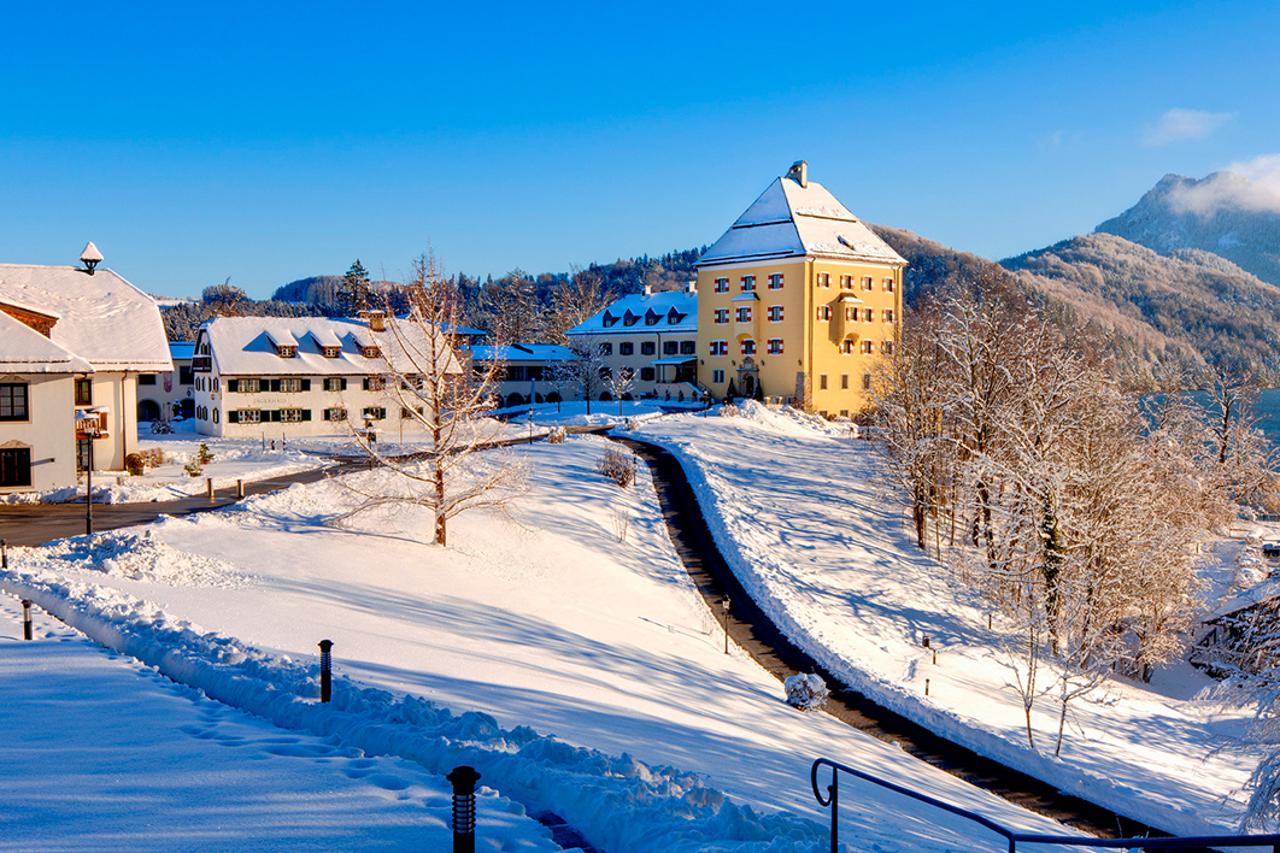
(267, 142)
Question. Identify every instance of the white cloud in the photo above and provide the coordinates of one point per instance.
(1252, 186)
(1179, 125)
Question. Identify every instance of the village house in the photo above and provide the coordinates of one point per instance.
(73, 341)
(163, 396)
(528, 372)
(799, 299)
(651, 336)
(283, 376)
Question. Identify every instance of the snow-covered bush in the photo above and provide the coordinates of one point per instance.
(619, 466)
(193, 468)
(134, 464)
(203, 454)
(556, 436)
(152, 457)
(729, 410)
(806, 691)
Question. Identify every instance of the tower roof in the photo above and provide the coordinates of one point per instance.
(796, 217)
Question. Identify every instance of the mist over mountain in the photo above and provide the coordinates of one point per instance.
(1233, 214)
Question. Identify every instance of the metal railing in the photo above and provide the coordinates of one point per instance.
(1015, 837)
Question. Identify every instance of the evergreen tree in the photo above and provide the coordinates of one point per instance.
(353, 293)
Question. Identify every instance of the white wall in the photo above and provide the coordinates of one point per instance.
(49, 432)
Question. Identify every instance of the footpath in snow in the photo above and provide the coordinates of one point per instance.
(104, 754)
(804, 516)
(558, 647)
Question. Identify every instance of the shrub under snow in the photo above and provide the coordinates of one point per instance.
(806, 691)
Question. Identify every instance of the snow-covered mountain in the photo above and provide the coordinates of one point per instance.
(1227, 213)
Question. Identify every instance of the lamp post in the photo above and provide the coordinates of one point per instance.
(724, 607)
(89, 427)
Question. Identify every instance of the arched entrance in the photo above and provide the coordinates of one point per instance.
(148, 410)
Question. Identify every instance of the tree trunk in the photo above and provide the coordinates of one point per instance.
(1062, 722)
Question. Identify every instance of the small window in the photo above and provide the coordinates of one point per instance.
(291, 385)
(215, 416)
(844, 382)
(846, 282)
(335, 383)
(824, 279)
(775, 313)
(648, 347)
(605, 373)
(335, 414)
(888, 315)
(249, 416)
(185, 376)
(824, 312)
(868, 315)
(374, 413)
(887, 347)
(670, 347)
(717, 376)
(775, 281)
(744, 314)
(688, 347)
(866, 282)
(719, 347)
(748, 346)
(722, 315)
(331, 352)
(775, 346)
(374, 383)
(850, 313)
(748, 283)
(868, 347)
(14, 404)
(866, 382)
(630, 318)
(370, 352)
(888, 285)
(293, 416)
(846, 346)
(146, 379)
(287, 351)
(722, 285)
(646, 374)
(626, 348)
(84, 392)
(15, 466)
(822, 381)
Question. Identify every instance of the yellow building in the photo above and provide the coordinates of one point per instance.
(797, 300)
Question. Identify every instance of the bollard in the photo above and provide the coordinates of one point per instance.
(26, 619)
(935, 657)
(464, 780)
(4, 554)
(924, 641)
(926, 687)
(208, 485)
(326, 670)
(988, 621)
(239, 489)
(724, 607)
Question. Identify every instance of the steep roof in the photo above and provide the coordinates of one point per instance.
(102, 318)
(182, 350)
(794, 220)
(516, 353)
(24, 350)
(666, 311)
(242, 346)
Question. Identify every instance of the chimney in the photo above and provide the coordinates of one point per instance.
(648, 290)
(90, 257)
(691, 286)
(377, 320)
(799, 172)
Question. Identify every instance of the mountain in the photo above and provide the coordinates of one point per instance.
(1194, 300)
(1225, 213)
(1146, 355)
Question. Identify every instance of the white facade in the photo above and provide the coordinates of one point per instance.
(652, 335)
(72, 341)
(292, 376)
(163, 396)
(528, 370)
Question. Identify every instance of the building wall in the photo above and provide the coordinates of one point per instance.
(177, 392)
(811, 348)
(49, 431)
(637, 361)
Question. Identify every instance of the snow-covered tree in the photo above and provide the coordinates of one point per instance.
(587, 372)
(354, 292)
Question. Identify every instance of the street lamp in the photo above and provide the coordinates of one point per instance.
(89, 427)
(724, 608)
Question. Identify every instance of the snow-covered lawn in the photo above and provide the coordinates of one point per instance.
(104, 754)
(537, 622)
(805, 519)
(574, 412)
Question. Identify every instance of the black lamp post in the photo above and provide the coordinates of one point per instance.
(89, 426)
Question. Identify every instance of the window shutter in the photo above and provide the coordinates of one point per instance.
(233, 416)
(306, 414)
(233, 385)
(365, 383)
(306, 385)
(342, 384)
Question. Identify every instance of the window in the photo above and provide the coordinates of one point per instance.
(866, 282)
(846, 282)
(868, 347)
(292, 385)
(374, 383)
(850, 313)
(887, 347)
(335, 414)
(868, 314)
(287, 351)
(888, 315)
(748, 346)
(185, 376)
(374, 413)
(775, 346)
(146, 379)
(775, 281)
(824, 312)
(14, 402)
(846, 347)
(646, 374)
(866, 382)
(370, 352)
(822, 381)
(335, 383)
(717, 376)
(688, 347)
(15, 466)
(651, 317)
(246, 416)
(775, 313)
(719, 347)
(606, 348)
(670, 347)
(748, 283)
(844, 382)
(331, 352)
(215, 416)
(722, 285)
(294, 416)
(722, 315)
(405, 413)
(743, 314)
(824, 279)
(649, 347)
(630, 318)
(84, 447)
(626, 348)
(888, 285)
(84, 392)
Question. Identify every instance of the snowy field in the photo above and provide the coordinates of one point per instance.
(105, 754)
(574, 412)
(800, 512)
(536, 622)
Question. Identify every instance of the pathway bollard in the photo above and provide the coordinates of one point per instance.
(26, 619)
(326, 670)
(239, 489)
(464, 780)
(926, 687)
(208, 482)
(724, 606)
(4, 554)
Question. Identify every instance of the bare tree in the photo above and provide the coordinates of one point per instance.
(621, 384)
(574, 301)
(427, 376)
(587, 372)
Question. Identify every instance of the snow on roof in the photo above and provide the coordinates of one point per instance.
(666, 311)
(182, 350)
(522, 353)
(790, 220)
(24, 350)
(282, 337)
(102, 318)
(325, 336)
(242, 346)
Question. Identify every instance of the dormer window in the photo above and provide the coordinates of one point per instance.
(286, 350)
(674, 317)
(651, 317)
(630, 319)
(370, 352)
(608, 319)
(331, 352)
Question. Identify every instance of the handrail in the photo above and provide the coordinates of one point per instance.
(1014, 837)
